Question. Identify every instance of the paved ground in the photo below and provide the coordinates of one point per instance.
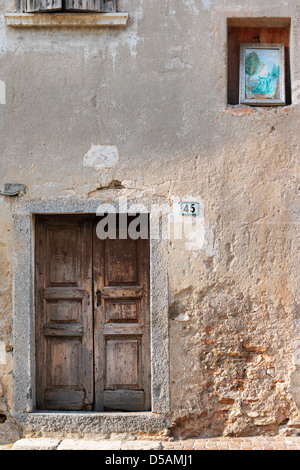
(244, 443)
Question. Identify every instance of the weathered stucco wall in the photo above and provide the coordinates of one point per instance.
(142, 112)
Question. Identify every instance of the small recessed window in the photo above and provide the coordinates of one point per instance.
(256, 31)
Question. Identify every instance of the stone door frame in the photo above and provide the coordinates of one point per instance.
(24, 324)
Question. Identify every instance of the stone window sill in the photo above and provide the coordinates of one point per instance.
(95, 20)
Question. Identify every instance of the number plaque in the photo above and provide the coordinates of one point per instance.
(189, 208)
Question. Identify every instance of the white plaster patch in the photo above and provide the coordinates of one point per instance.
(101, 157)
(2, 353)
(2, 93)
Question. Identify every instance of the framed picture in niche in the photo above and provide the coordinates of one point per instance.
(262, 74)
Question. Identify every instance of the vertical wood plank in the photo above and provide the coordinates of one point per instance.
(108, 6)
(40, 5)
(22, 6)
(83, 5)
(145, 309)
(99, 340)
(88, 318)
(105, 6)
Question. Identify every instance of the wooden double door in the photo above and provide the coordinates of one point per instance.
(92, 317)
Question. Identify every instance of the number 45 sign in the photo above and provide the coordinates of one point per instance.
(189, 208)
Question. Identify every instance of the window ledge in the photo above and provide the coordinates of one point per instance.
(96, 20)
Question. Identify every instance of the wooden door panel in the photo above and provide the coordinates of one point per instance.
(118, 311)
(64, 311)
(65, 399)
(64, 263)
(124, 400)
(64, 320)
(122, 330)
(123, 367)
(65, 362)
(121, 262)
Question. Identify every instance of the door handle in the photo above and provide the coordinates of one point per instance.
(99, 294)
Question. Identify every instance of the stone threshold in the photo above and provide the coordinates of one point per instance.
(55, 20)
(91, 422)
